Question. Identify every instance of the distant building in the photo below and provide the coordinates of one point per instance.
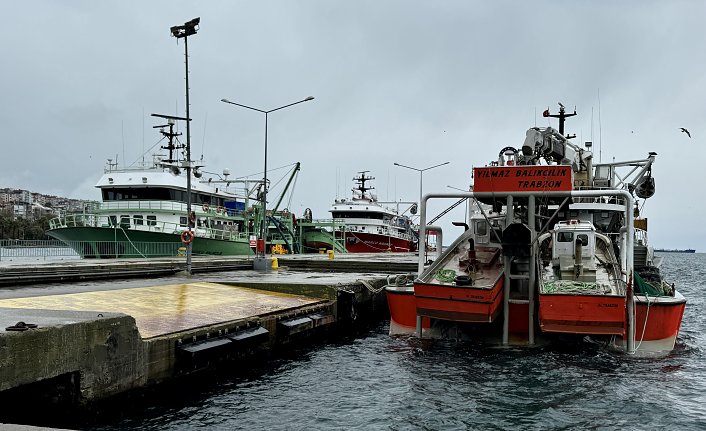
(19, 211)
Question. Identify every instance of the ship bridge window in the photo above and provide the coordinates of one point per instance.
(158, 194)
(137, 220)
(481, 228)
(357, 214)
(151, 220)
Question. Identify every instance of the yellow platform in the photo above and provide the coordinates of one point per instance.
(161, 310)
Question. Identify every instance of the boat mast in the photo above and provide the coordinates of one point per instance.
(170, 135)
(360, 183)
(562, 116)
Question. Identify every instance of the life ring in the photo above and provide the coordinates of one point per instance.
(187, 236)
(205, 208)
(219, 210)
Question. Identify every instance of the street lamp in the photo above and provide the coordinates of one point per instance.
(421, 175)
(260, 261)
(182, 32)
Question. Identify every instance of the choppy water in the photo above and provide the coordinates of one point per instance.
(377, 382)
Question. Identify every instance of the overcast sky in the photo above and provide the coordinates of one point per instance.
(413, 82)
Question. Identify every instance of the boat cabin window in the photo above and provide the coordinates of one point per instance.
(357, 214)
(137, 220)
(182, 221)
(481, 232)
(583, 238)
(159, 194)
(602, 176)
(113, 221)
(565, 237)
(125, 221)
(151, 220)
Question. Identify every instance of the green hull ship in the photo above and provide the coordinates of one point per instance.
(143, 213)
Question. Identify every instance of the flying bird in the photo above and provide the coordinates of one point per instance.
(685, 131)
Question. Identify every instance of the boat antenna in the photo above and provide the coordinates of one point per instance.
(600, 130)
(562, 116)
(122, 132)
(203, 143)
(591, 123)
(143, 136)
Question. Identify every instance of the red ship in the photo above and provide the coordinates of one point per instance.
(363, 225)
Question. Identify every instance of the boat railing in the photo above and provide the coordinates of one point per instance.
(641, 237)
(343, 225)
(228, 233)
(143, 205)
(152, 205)
(613, 200)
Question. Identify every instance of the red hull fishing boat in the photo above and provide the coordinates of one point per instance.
(556, 246)
(362, 224)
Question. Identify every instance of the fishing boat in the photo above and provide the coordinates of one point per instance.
(361, 224)
(566, 237)
(143, 212)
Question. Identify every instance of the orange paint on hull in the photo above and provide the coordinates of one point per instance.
(459, 303)
(663, 319)
(582, 314)
(403, 310)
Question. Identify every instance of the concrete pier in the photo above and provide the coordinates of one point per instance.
(102, 341)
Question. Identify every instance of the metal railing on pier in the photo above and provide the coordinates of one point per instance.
(33, 250)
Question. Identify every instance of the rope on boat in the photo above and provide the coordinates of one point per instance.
(574, 287)
(401, 279)
(133, 245)
(644, 326)
(370, 286)
(445, 275)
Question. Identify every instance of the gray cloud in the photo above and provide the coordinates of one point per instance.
(413, 82)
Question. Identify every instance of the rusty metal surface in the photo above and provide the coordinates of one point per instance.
(160, 310)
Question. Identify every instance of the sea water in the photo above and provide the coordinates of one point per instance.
(374, 381)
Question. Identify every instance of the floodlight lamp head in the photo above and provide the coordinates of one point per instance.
(188, 29)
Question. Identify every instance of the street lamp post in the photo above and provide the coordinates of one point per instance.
(182, 32)
(261, 261)
(421, 176)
